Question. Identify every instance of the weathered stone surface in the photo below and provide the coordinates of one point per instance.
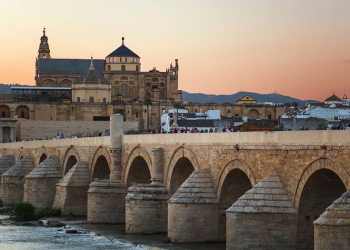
(106, 202)
(195, 205)
(12, 181)
(146, 209)
(263, 218)
(71, 191)
(40, 184)
(6, 161)
(332, 228)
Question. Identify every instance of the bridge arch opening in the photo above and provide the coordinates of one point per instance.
(42, 158)
(101, 169)
(138, 173)
(235, 185)
(70, 163)
(321, 189)
(182, 170)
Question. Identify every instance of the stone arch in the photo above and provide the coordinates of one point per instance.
(336, 167)
(42, 158)
(22, 111)
(322, 182)
(253, 113)
(68, 159)
(101, 159)
(4, 111)
(136, 154)
(66, 83)
(48, 83)
(235, 179)
(235, 164)
(182, 155)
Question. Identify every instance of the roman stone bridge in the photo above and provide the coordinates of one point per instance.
(254, 190)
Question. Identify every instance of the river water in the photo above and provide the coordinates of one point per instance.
(90, 237)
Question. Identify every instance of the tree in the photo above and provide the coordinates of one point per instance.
(287, 104)
(295, 105)
(177, 105)
(147, 102)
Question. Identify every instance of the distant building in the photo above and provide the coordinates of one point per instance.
(246, 100)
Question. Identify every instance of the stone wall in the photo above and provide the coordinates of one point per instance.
(39, 129)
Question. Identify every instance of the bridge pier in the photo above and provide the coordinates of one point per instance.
(263, 218)
(193, 210)
(6, 162)
(106, 198)
(146, 205)
(12, 181)
(71, 191)
(40, 184)
(332, 228)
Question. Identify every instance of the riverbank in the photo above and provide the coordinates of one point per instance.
(40, 236)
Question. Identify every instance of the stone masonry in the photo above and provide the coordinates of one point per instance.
(254, 221)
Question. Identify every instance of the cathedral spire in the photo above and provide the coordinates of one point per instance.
(122, 40)
(44, 50)
(91, 65)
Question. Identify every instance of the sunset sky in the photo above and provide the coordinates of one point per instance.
(297, 48)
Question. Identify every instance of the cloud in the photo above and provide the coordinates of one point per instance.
(346, 61)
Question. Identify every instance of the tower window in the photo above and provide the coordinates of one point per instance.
(120, 59)
(123, 67)
(137, 68)
(108, 67)
(91, 99)
(126, 59)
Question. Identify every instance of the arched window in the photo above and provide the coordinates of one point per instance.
(78, 99)
(116, 82)
(104, 100)
(124, 89)
(137, 68)
(123, 67)
(108, 67)
(269, 117)
(91, 99)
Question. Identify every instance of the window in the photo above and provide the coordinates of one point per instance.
(137, 114)
(131, 92)
(269, 117)
(137, 68)
(116, 83)
(154, 79)
(123, 78)
(126, 59)
(78, 99)
(22, 114)
(161, 85)
(104, 100)
(148, 85)
(108, 67)
(116, 91)
(229, 111)
(124, 89)
(131, 83)
(123, 67)
(161, 94)
(195, 110)
(91, 99)
(120, 59)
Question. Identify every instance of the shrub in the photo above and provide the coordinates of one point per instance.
(48, 212)
(24, 212)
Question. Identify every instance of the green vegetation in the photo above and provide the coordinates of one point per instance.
(132, 132)
(24, 212)
(48, 212)
(322, 126)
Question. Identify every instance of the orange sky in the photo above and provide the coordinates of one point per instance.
(295, 48)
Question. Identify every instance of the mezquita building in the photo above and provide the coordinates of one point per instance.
(121, 68)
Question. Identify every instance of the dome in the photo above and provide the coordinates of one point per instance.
(123, 51)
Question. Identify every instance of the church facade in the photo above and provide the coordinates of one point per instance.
(121, 68)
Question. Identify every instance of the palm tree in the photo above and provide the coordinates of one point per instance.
(176, 105)
(147, 102)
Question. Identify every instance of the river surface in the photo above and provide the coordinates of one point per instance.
(90, 237)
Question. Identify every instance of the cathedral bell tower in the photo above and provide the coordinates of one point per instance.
(44, 50)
